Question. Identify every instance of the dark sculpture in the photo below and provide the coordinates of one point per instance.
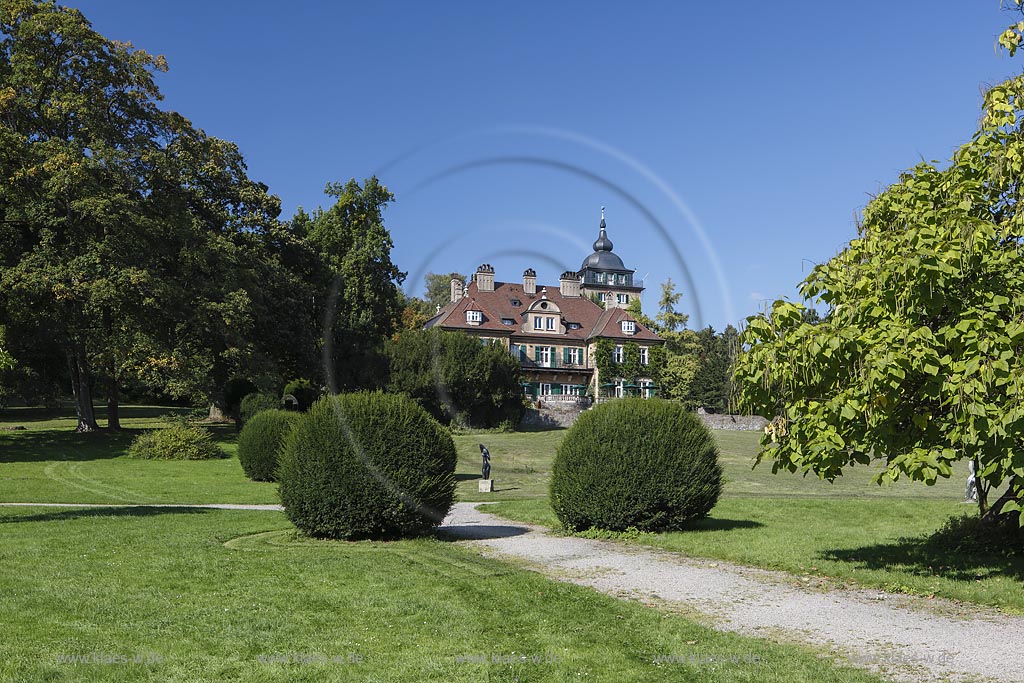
(487, 461)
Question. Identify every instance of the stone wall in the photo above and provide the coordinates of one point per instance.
(737, 423)
(552, 414)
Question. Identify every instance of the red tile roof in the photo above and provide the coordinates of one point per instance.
(593, 321)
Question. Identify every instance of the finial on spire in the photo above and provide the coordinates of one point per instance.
(602, 218)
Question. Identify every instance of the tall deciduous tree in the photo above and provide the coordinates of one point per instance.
(362, 307)
(126, 231)
(919, 361)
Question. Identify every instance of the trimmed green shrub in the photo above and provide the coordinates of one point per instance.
(367, 465)
(256, 403)
(649, 464)
(303, 391)
(261, 441)
(177, 441)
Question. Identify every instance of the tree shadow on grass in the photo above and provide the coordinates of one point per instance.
(65, 515)
(926, 556)
(47, 445)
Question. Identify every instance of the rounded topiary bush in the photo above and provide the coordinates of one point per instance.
(178, 441)
(367, 465)
(261, 442)
(303, 391)
(256, 403)
(646, 464)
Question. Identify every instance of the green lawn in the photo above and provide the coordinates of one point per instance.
(851, 531)
(210, 595)
(49, 463)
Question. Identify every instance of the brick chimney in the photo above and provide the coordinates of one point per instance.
(569, 284)
(529, 281)
(485, 278)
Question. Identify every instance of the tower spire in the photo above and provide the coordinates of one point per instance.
(603, 243)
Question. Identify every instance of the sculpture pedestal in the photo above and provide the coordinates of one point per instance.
(486, 486)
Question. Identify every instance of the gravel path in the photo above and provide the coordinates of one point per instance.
(901, 637)
(897, 636)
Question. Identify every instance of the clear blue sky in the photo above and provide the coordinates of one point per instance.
(502, 128)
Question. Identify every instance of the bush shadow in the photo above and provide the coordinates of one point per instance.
(479, 532)
(721, 524)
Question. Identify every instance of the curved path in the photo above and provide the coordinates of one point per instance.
(901, 637)
(897, 636)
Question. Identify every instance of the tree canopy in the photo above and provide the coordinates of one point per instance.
(135, 247)
(918, 363)
(457, 378)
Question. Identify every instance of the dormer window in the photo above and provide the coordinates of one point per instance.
(629, 327)
(508, 321)
(538, 323)
(573, 326)
(549, 323)
(516, 303)
(474, 317)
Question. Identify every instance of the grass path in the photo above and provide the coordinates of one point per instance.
(898, 636)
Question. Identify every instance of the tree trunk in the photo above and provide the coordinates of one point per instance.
(113, 391)
(1013, 492)
(113, 405)
(82, 391)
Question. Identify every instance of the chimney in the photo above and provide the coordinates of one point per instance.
(456, 289)
(529, 281)
(569, 284)
(485, 278)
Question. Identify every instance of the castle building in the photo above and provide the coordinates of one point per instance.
(555, 332)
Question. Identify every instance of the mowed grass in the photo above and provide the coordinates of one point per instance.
(49, 463)
(852, 531)
(213, 595)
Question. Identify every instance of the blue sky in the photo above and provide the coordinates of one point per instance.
(732, 143)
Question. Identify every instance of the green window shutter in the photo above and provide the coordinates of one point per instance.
(522, 352)
(536, 353)
(565, 354)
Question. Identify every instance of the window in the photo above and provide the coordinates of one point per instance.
(572, 356)
(508, 321)
(544, 356)
(573, 326)
(538, 324)
(516, 303)
(629, 327)
(622, 298)
(647, 388)
(527, 390)
(618, 356)
(619, 390)
(644, 355)
(545, 389)
(550, 323)
(570, 390)
(514, 350)
(474, 316)
(600, 297)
